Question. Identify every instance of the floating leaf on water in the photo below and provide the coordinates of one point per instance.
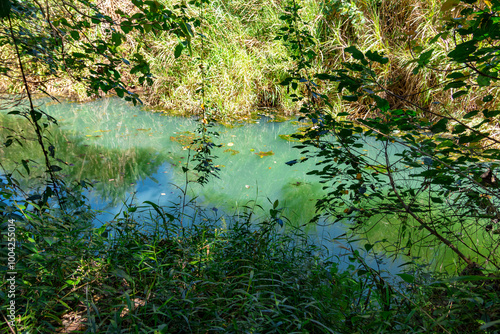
(265, 154)
(289, 138)
(185, 138)
(233, 152)
(144, 129)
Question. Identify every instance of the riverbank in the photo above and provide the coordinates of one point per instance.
(238, 66)
(223, 275)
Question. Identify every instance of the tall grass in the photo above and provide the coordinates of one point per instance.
(212, 273)
(220, 275)
(244, 64)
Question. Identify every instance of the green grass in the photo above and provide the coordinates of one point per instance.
(214, 275)
(217, 273)
(244, 64)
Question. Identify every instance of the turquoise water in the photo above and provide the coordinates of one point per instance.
(130, 156)
(153, 139)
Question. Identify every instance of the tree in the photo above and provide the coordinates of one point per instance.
(78, 39)
(439, 187)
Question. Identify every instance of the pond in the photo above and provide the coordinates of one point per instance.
(130, 156)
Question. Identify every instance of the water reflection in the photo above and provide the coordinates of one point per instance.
(131, 156)
(127, 152)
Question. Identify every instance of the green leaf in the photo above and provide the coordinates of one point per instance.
(178, 50)
(120, 92)
(374, 56)
(122, 274)
(436, 200)
(4, 8)
(489, 114)
(382, 104)
(351, 98)
(459, 129)
(36, 115)
(463, 51)
(51, 240)
(455, 75)
(440, 126)
(54, 168)
(116, 38)
(25, 165)
(488, 98)
(126, 26)
(356, 54)
(324, 76)
(65, 305)
(286, 82)
(407, 278)
(483, 81)
(489, 324)
(459, 93)
(75, 35)
(455, 84)
(425, 57)
(471, 114)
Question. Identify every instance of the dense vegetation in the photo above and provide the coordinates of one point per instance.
(415, 77)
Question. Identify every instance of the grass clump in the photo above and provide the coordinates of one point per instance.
(171, 270)
(126, 276)
(236, 65)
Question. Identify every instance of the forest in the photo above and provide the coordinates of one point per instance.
(231, 166)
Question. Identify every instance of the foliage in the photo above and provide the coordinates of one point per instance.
(434, 180)
(183, 274)
(82, 42)
(127, 276)
(216, 273)
(450, 169)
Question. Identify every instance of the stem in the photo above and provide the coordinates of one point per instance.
(38, 130)
(419, 220)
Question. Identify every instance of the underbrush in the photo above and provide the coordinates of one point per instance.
(236, 65)
(205, 272)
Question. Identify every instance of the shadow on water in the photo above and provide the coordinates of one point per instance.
(131, 156)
